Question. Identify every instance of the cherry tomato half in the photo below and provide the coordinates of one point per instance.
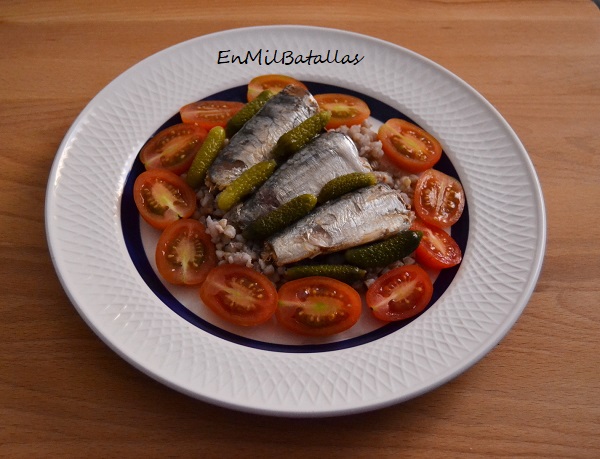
(346, 110)
(437, 249)
(274, 83)
(239, 295)
(400, 293)
(439, 199)
(209, 113)
(162, 197)
(185, 253)
(318, 306)
(408, 146)
(173, 148)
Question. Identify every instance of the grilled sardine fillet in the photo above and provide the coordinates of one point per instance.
(355, 218)
(255, 141)
(328, 156)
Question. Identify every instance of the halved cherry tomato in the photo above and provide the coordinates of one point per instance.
(274, 83)
(185, 253)
(239, 295)
(437, 249)
(400, 293)
(408, 146)
(162, 197)
(173, 148)
(318, 306)
(346, 110)
(209, 113)
(439, 199)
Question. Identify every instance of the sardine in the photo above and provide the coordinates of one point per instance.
(356, 218)
(328, 156)
(255, 141)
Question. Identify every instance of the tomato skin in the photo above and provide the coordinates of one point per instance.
(318, 306)
(162, 197)
(396, 296)
(173, 148)
(437, 249)
(209, 113)
(185, 253)
(239, 295)
(439, 199)
(275, 83)
(408, 146)
(346, 110)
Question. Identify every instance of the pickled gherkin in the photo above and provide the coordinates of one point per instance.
(282, 217)
(245, 184)
(293, 140)
(206, 155)
(344, 273)
(248, 111)
(344, 184)
(384, 252)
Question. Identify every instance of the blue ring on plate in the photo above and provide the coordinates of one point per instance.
(130, 223)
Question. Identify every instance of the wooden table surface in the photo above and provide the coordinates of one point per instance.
(63, 393)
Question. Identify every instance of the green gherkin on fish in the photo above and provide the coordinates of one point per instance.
(282, 217)
(245, 184)
(248, 111)
(294, 140)
(345, 184)
(385, 252)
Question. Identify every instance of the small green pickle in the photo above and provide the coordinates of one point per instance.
(344, 273)
(293, 140)
(206, 155)
(247, 112)
(282, 217)
(344, 184)
(245, 184)
(384, 252)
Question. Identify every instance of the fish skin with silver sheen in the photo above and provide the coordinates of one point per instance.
(255, 141)
(328, 156)
(356, 218)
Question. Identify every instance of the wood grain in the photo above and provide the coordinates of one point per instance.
(63, 393)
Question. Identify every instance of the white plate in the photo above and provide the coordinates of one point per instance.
(502, 259)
